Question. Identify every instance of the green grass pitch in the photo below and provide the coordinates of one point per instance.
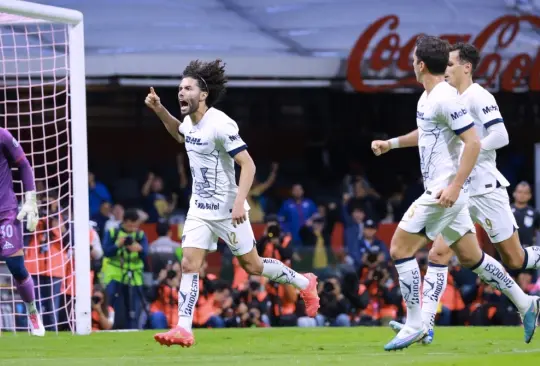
(273, 346)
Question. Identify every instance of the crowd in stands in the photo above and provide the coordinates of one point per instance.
(358, 283)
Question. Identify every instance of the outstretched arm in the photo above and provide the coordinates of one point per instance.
(171, 123)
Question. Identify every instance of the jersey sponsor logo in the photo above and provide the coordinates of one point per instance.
(235, 137)
(195, 141)
(458, 114)
(420, 115)
(207, 206)
(489, 109)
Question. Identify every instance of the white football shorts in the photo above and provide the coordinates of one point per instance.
(492, 211)
(425, 215)
(204, 234)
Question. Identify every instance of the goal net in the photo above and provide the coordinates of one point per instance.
(42, 104)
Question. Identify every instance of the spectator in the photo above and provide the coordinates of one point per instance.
(372, 205)
(527, 218)
(116, 218)
(102, 312)
(101, 217)
(373, 250)
(97, 194)
(157, 206)
(313, 236)
(255, 198)
(334, 305)
(295, 212)
(163, 250)
(212, 297)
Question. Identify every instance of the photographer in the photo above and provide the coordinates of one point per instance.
(125, 249)
(384, 297)
(163, 311)
(102, 313)
(335, 307)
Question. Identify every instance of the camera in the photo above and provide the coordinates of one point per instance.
(128, 241)
(273, 231)
(372, 257)
(328, 287)
(254, 286)
(171, 274)
(96, 299)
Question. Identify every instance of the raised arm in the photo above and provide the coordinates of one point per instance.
(171, 123)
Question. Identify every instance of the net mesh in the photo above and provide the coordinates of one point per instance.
(34, 108)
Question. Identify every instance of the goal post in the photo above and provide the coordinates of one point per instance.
(67, 120)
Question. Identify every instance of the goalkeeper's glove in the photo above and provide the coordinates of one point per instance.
(29, 210)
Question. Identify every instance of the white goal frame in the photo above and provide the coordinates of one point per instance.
(77, 85)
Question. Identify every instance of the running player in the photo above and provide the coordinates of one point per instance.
(445, 131)
(489, 203)
(11, 239)
(218, 207)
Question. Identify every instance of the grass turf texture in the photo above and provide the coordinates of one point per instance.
(278, 346)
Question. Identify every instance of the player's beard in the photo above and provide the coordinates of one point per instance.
(192, 107)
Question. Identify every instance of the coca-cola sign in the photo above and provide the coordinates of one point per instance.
(520, 71)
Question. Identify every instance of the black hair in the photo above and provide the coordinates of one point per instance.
(434, 52)
(131, 215)
(210, 77)
(467, 53)
(162, 228)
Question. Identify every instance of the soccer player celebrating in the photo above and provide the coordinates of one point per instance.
(218, 207)
(11, 240)
(489, 204)
(445, 131)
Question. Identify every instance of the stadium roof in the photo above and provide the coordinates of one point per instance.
(303, 36)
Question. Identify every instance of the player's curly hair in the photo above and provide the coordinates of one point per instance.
(435, 53)
(210, 77)
(467, 53)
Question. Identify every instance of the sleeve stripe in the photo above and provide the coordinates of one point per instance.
(463, 129)
(233, 152)
(493, 122)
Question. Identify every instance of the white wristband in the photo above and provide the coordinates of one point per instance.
(394, 143)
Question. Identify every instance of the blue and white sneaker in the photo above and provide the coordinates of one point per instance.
(397, 326)
(530, 319)
(405, 338)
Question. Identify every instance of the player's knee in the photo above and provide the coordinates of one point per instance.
(253, 267)
(17, 268)
(514, 261)
(436, 256)
(190, 265)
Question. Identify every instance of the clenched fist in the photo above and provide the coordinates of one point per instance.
(152, 100)
(380, 147)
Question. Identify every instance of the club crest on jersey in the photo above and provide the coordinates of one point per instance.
(458, 114)
(15, 142)
(195, 141)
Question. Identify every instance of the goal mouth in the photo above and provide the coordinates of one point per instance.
(43, 105)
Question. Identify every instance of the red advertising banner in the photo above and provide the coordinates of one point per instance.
(521, 71)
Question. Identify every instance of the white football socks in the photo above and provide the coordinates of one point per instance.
(494, 274)
(278, 272)
(188, 294)
(409, 282)
(434, 286)
(533, 257)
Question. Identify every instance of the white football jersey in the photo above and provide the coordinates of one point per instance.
(440, 117)
(485, 112)
(211, 145)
